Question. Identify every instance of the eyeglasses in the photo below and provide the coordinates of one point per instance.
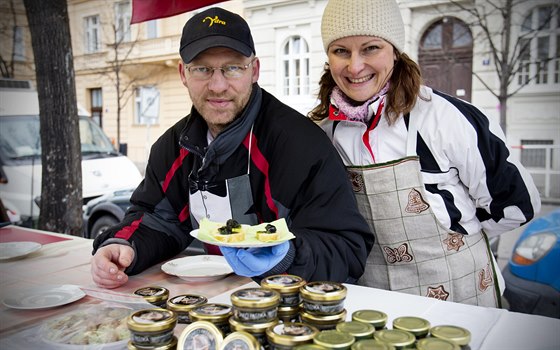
(230, 71)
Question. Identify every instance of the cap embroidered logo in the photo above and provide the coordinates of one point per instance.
(214, 20)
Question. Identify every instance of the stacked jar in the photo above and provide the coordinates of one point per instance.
(288, 286)
(152, 329)
(217, 314)
(154, 295)
(183, 304)
(254, 311)
(323, 304)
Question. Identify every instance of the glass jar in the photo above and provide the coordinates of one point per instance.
(255, 305)
(377, 319)
(457, 335)
(151, 327)
(323, 322)
(358, 330)
(289, 314)
(288, 286)
(334, 339)
(395, 337)
(258, 330)
(436, 344)
(415, 325)
(371, 344)
(217, 314)
(200, 335)
(323, 298)
(172, 345)
(286, 336)
(240, 341)
(156, 296)
(184, 303)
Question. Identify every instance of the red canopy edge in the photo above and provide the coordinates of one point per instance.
(145, 10)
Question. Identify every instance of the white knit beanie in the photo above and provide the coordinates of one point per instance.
(380, 18)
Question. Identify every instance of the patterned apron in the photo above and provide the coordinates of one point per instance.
(413, 253)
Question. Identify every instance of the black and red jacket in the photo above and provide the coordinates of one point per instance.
(295, 173)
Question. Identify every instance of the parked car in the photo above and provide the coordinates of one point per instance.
(532, 274)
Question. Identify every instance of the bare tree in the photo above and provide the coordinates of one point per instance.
(61, 189)
(508, 47)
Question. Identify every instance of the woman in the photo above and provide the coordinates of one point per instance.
(431, 173)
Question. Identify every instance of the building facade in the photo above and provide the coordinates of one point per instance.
(127, 75)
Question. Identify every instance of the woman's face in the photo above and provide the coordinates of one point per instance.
(361, 65)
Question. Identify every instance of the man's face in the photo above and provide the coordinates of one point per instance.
(217, 98)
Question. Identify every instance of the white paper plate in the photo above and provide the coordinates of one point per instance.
(198, 268)
(41, 298)
(194, 233)
(11, 250)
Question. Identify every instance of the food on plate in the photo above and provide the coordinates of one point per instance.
(269, 234)
(93, 326)
(232, 231)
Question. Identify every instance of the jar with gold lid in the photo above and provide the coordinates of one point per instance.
(323, 298)
(258, 330)
(217, 314)
(416, 325)
(377, 319)
(455, 334)
(371, 344)
(154, 295)
(323, 322)
(310, 347)
(172, 345)
(358, 330)
(184, 303)
(333, 339)
(240, 341)
(151, 327)
(286, 336)
(255, 305)
(200, 335)
(289, 314)
(288, 286)
(436, 344)
(395, 337)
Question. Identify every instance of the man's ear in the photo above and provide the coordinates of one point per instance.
(182, 70)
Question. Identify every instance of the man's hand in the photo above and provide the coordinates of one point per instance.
(108, 265)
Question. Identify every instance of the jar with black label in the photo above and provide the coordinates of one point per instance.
(334, 339)
(323, 322)
(395, 337)
(151, 327)
(156, 296)
(415, 325)
(184, 303)
(455, 334)
(323, 298)
(289, 314)
(288, 286)
(255, 305)
(258, 330)
(172, 345)
(358, 330)
(436, 344)
(378, 319)
(371, 344)
(286, 336)
(217, 314)
(200, 335)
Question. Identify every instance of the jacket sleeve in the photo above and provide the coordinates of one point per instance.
(151, 225)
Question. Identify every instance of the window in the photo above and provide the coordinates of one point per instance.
(295, 67)
(151, 29)
(19, 44)
(146, 105)
(535, 156)
(122, 21)
(92, 34)
(96, 98)
(539, 52)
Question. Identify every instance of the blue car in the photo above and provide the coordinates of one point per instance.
(533, 273)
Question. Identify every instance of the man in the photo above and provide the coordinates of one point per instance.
(239, 154)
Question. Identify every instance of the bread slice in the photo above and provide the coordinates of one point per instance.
(265, 236)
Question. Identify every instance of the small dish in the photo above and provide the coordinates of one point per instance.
(42, 298)
(12, 250)
(198, 268)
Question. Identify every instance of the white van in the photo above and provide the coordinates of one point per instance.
(103, 168)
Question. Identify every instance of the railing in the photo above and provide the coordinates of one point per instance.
(543, 163)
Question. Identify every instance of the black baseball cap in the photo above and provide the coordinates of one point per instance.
(215, 27)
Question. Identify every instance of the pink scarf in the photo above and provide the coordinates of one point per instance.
(355, 113)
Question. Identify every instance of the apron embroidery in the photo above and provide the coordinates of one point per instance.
(357, 181)
(416, 203)
(437, 293)
(454, 241)
(485, 278)
(399, 254)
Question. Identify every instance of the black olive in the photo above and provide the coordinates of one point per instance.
(270, 228)
(232, 223)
